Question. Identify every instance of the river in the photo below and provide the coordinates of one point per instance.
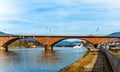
(38, 60)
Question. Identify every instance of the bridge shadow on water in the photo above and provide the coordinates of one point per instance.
(48, 56)
(8, 53)
(9, 56)
(102, 64)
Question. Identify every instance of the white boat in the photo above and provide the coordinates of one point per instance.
(78, 46)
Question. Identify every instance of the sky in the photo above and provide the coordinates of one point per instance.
(60, 17)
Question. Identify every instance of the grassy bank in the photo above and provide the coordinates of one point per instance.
(79, 65)
(116, 54)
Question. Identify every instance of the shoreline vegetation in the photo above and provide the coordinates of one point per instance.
(85, 64)
(24, 44)
(115, 52)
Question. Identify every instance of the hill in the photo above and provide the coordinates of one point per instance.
(115, 34)
(2, 33)
(66, 43)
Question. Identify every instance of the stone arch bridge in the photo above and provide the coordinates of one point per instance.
(49, 41)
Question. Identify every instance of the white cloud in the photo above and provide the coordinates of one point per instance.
(113, 3)
(7, 7)
(63, 13)
(6, 27)
(91, 1)
(113, 24)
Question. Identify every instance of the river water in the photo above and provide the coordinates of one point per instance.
(38, 60)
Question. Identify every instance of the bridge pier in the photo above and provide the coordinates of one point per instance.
(48, 48)
(3, 49)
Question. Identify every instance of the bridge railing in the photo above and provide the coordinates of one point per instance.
(114, 61)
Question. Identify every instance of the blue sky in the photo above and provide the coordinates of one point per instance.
(60, 17)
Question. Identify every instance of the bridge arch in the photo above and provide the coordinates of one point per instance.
(91, 40)
(99, 40)
(7, 43)
(71, 38)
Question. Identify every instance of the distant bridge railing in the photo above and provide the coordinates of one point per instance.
(114, 61)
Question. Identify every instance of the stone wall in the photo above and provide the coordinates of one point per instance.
(114, 61)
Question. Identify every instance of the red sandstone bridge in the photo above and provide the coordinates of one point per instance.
(49, 41)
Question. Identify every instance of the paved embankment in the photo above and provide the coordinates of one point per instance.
(102, 64)
(114, 61)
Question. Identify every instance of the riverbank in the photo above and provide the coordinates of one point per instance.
(83, 65)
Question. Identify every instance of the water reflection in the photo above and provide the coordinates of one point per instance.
(49, 56)
(9, 56)
(9, 60)
(9, 53)
(38, 60)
